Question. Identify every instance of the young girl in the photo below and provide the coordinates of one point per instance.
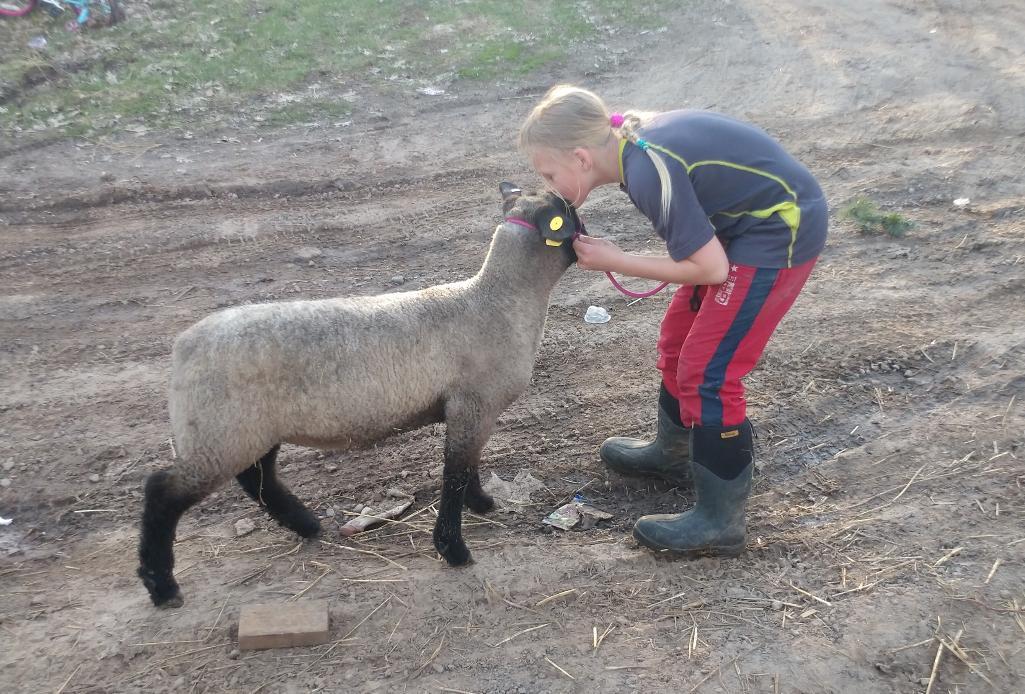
(744, 223)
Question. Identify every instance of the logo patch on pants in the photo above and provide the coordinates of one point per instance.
(730, 434)
(722, 297)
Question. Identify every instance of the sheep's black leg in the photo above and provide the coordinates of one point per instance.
(262, 484)
(164, 505)
(448, 532)
(477, 500)
(468, 426)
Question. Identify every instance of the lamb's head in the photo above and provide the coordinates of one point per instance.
(552, 219)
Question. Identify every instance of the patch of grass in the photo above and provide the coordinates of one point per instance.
(195, 64)
(305, 112)
(510, 59)
(871, 220)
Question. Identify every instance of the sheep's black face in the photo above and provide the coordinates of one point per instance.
(554, 218)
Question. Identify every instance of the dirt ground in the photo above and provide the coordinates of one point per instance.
(890, 406)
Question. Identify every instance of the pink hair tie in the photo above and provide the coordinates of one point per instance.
(616, 120)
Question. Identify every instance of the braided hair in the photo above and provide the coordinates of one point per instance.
(568, 117)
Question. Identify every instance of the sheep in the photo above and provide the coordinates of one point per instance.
(348, 372)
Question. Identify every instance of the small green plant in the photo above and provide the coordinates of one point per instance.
(871, 220)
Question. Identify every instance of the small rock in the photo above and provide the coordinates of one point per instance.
(234, 655)
(9, 464)
(94, 478)
(5, 482)
(244, 526)
(330, 512)
(777, 605)
(438, 668)
(308, 253)
(107, 177)
(395, 493)
(331, 468)
(404, 474)
(397, 280)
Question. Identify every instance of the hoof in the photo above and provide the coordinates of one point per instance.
(302, 522)
(172, 602)
(481, 503)
(309, 528)
(164, 592)
(455, 553)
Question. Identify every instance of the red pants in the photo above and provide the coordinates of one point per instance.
(704, 353)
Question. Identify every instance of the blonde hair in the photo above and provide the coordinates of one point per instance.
(568, 117)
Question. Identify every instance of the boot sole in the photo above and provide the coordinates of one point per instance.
(635, 475)
(691, 552)
(684, 484)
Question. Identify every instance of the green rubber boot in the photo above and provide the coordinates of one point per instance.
(722, 471)
(666, 458)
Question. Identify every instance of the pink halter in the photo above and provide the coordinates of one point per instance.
(521, 222)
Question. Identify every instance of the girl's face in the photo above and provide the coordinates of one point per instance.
(565, 173)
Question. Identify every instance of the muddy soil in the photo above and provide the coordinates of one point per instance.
(889, 407)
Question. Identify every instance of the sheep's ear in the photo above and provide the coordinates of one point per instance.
(556, 225)
(509, 191)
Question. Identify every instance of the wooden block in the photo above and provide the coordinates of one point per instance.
(283, 625)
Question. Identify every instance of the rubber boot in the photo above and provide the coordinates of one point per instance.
(722, 467)
(666, 458)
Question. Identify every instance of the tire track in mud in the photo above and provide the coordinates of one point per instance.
(290, 188)
(403, 213)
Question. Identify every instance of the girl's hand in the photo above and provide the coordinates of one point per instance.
(597, 254)
(707, 265)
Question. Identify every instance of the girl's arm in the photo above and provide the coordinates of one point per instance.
(707, 265)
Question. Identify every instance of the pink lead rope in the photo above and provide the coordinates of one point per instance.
(634, 295)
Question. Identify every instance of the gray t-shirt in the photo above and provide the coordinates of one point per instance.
(730, 179)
